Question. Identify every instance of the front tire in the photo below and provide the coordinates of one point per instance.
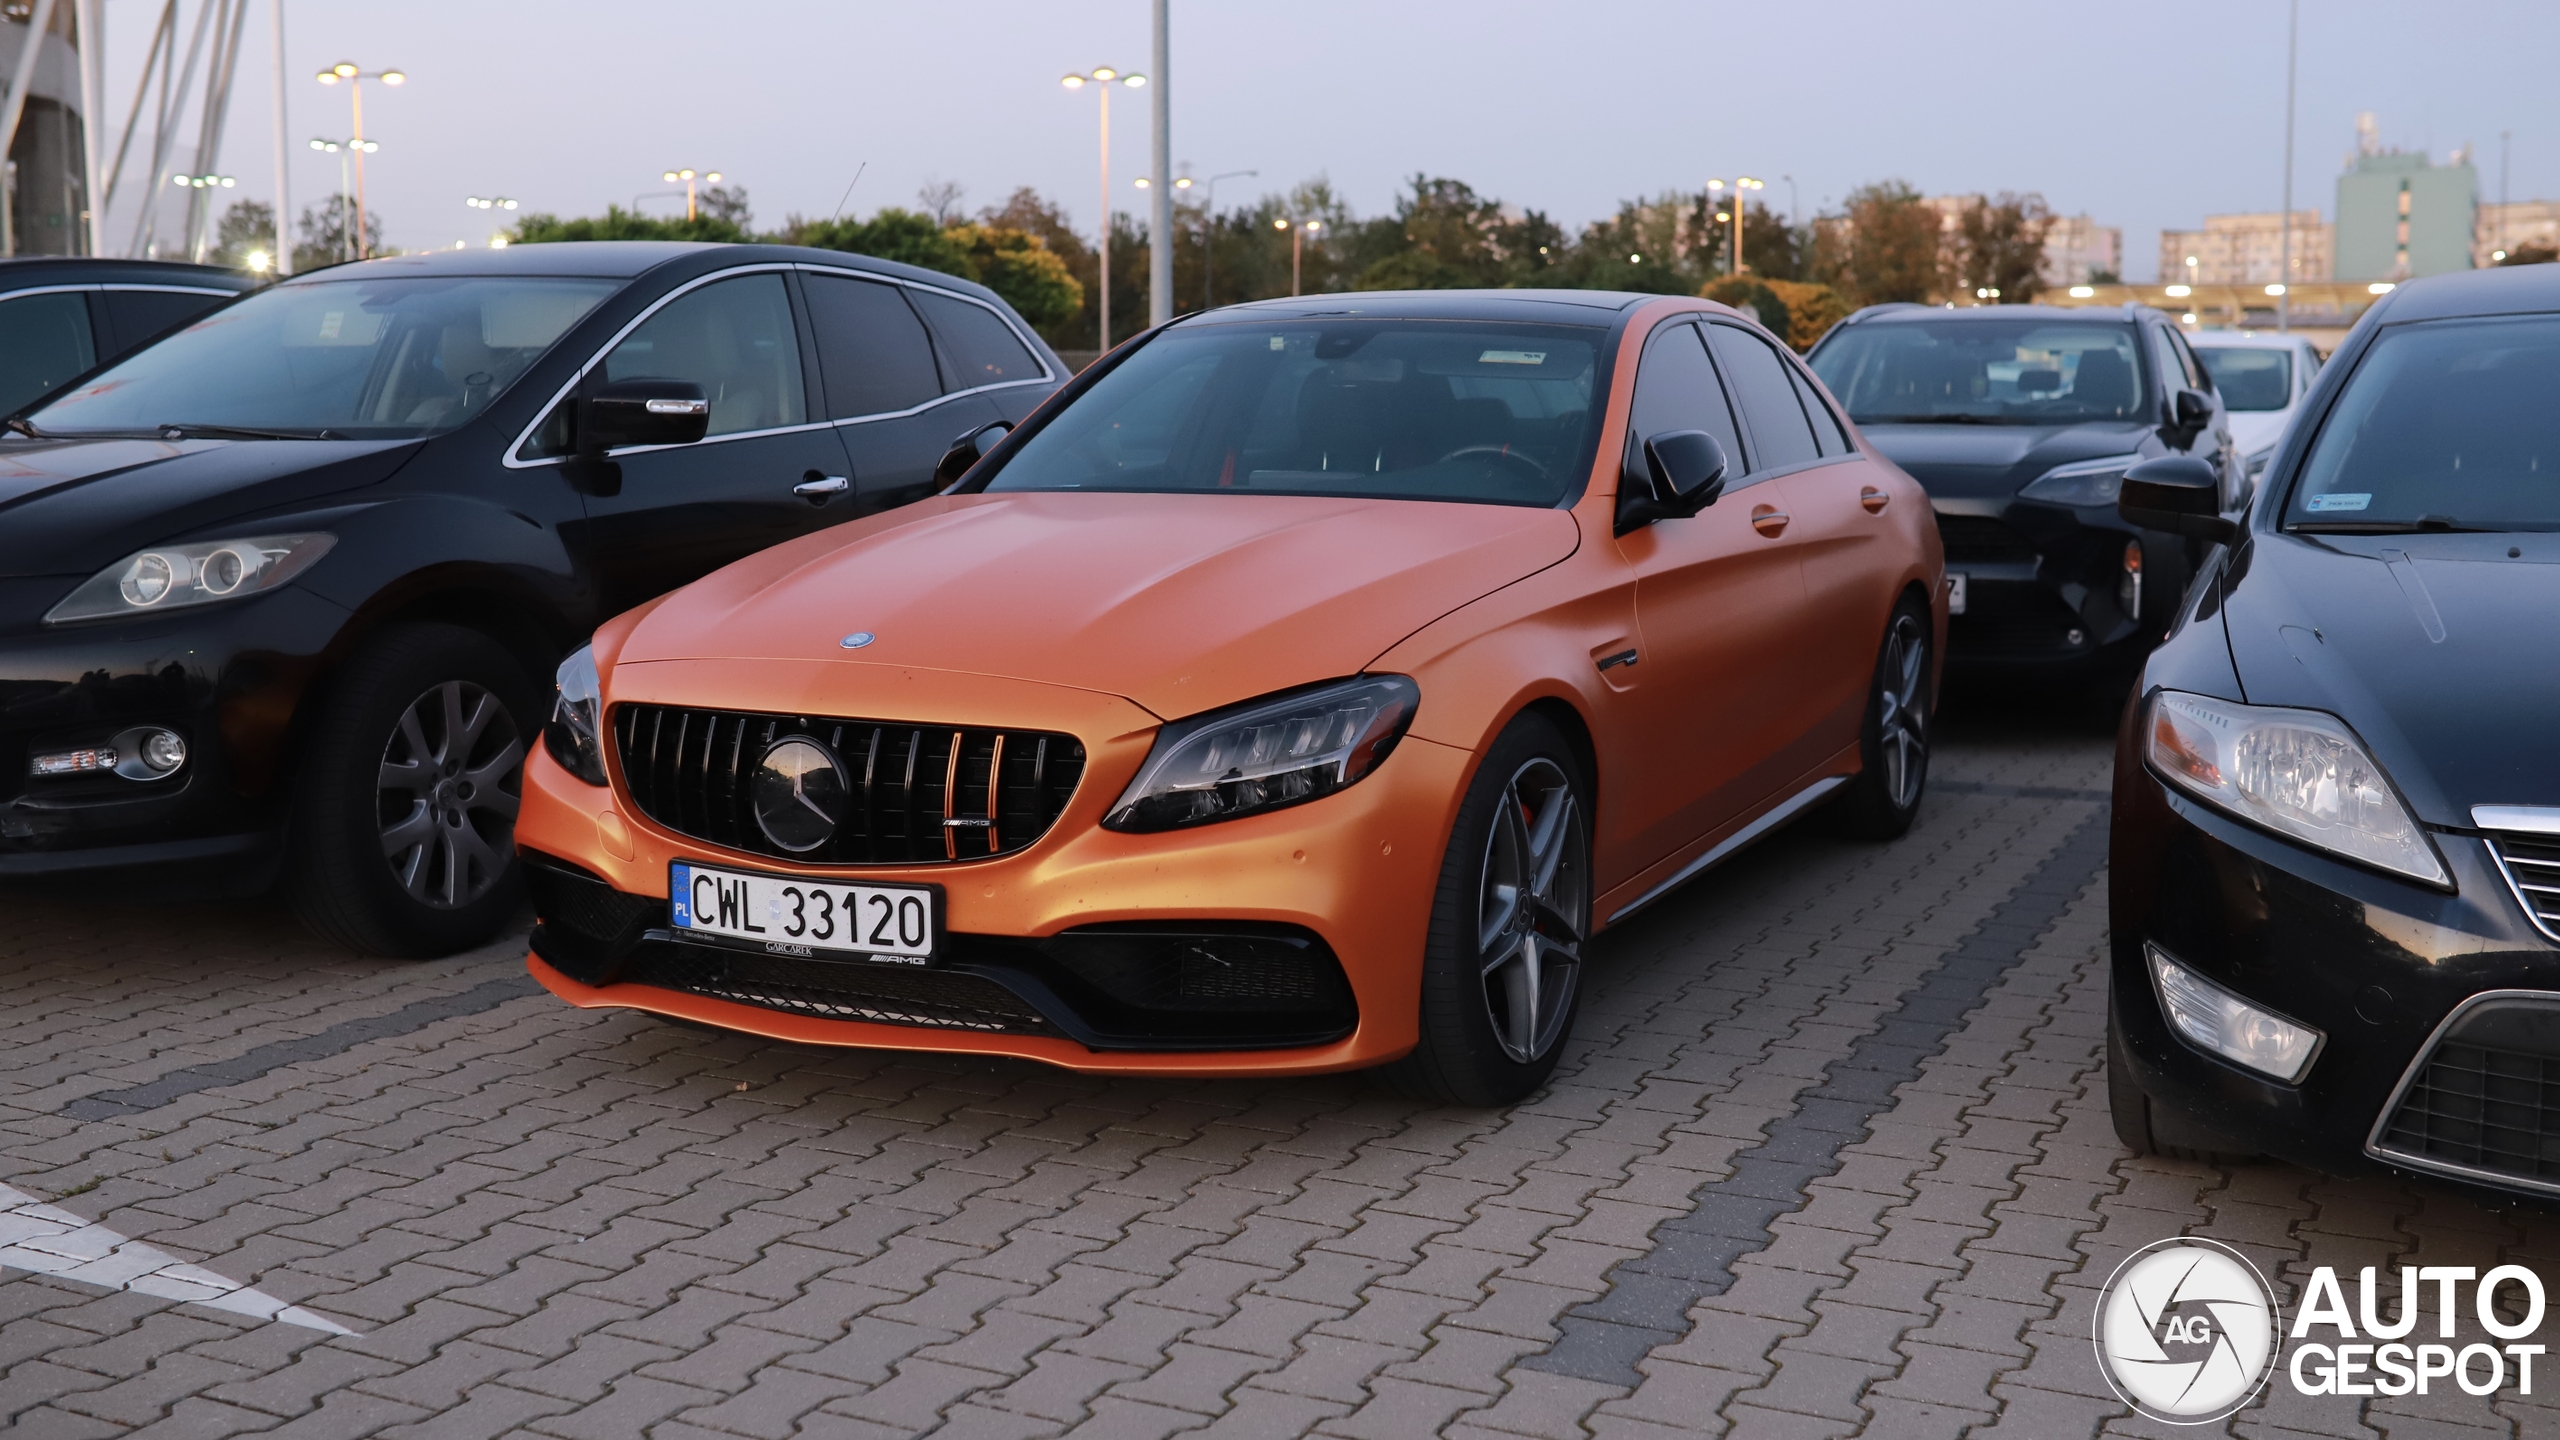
(404, 827)
(1502, 967)
(1893, 740)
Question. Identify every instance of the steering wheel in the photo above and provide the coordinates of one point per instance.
(1501, 453)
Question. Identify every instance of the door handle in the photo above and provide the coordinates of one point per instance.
(819, 489)
(1873, 499)
(1769, 520)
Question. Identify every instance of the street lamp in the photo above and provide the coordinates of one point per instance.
(687, 176)
(1745, 183)
(494, 202)
(1103, 77)
(200, 214)
(1209, 227)
(348, 71)
(341, 149)
(1297, 246)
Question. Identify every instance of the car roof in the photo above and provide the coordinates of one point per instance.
(2245, 340)
(1552, 307)
(19, 272)
(2500, 290)
(624, 260)
(1898, 313)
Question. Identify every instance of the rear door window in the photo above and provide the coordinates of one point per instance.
(1780, 434)
(1828, 437)
(44, 341)
(977, 347)
(873, 354)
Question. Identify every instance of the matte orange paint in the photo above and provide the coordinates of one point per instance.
(1103, 614)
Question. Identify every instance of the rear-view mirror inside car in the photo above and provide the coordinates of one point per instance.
(642, 412)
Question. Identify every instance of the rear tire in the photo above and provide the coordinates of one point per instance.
(1893, 739)
(1502, 967)
(404, 827)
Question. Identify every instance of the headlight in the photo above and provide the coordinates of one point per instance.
(2089, 482)
(1266, 754)
(2299, 773)
(575, 736)
(173, 577)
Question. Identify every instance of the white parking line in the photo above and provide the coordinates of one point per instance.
(49, 1241)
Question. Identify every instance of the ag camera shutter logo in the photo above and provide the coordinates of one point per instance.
(2186, 1331)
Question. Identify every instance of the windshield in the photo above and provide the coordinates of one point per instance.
(1984, 372)
(354, 359)
(2249, 378)
(1400, 409)
(2446, 426)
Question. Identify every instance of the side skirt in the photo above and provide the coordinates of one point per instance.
(1784, 811)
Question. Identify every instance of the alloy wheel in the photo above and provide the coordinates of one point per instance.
(1533, 910)
(1901, 717)
(447, 796)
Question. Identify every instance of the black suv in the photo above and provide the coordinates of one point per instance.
(285, 587)
(59, 316)
(2020, 421)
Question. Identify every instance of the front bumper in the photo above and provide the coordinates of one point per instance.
(227, 679)
(2378, 965)
(2043, 587)
(1347, 881)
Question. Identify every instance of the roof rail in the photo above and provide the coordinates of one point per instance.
(1865, 311)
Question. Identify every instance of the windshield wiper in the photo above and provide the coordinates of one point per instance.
(23, 426)
(241, 432)
(2423, 525)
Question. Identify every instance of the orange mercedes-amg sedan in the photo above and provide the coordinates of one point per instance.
(1298, 690)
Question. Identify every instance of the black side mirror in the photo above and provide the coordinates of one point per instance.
(2194, 411)
(1684, 475)
(642, 412)
(2180, 494)
(968, 450)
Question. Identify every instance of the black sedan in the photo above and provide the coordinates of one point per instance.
(2020, 421)
(278, 593)
(2336, 867)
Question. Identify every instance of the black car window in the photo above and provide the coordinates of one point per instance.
(977, 347)
(1676, 389)
(872, 352)
(733, 338)
(2249, 378)
(140, 315)
(2444, 425)
(44, 340)
(1978, 368)
(1780, 435)
(1828, 437)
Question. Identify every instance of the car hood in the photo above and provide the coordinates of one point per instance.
(2434, 648)
(1180, 603)
(1991, 462)
(70, 507)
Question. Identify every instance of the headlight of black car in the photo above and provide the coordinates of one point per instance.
(1266, 754)
(575, 736)
(2299, 773)
(173, 577)
(2087, 482)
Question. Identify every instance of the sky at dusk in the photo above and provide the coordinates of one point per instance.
(2147, 117)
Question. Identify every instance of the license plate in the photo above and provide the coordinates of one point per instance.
(1955, 593)
(795, 915)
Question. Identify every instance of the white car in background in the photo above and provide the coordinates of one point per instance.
(2262, 379)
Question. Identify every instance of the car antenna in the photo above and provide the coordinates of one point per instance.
(848, 191)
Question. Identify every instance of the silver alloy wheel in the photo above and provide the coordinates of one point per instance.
(1901, 715)
(445, 799)
(1534, 908)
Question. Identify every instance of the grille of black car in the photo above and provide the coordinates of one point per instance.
(883, 994)
(2484, 1108)
(2533, 872)
(922, 794)
(1978, 540)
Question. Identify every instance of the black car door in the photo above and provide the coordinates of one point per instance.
(682, 511)
(884, 389)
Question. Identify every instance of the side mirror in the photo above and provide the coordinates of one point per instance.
(642, 412)
(2180, 494)
(968, 450)
(1685, 473)
(2194, 411)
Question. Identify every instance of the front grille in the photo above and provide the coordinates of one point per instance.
(2532, 867)
(1978, 540)
(687, 770)
(2484, 1108)
(882, 994)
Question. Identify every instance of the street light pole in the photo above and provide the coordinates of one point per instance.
(347, 70)
(2284, 256)
(284, 187)
(341, 148)
(1742, 186)
(1104, 77)
(1209, 231)
(687, 176)
(1297, 248)
(1160, 224)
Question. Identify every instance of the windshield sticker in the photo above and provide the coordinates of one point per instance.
(2322, 503)
(1512, 357)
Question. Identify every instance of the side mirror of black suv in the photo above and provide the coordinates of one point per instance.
(643, 412)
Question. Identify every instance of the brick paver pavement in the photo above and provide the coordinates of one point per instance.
(1829, 1155)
